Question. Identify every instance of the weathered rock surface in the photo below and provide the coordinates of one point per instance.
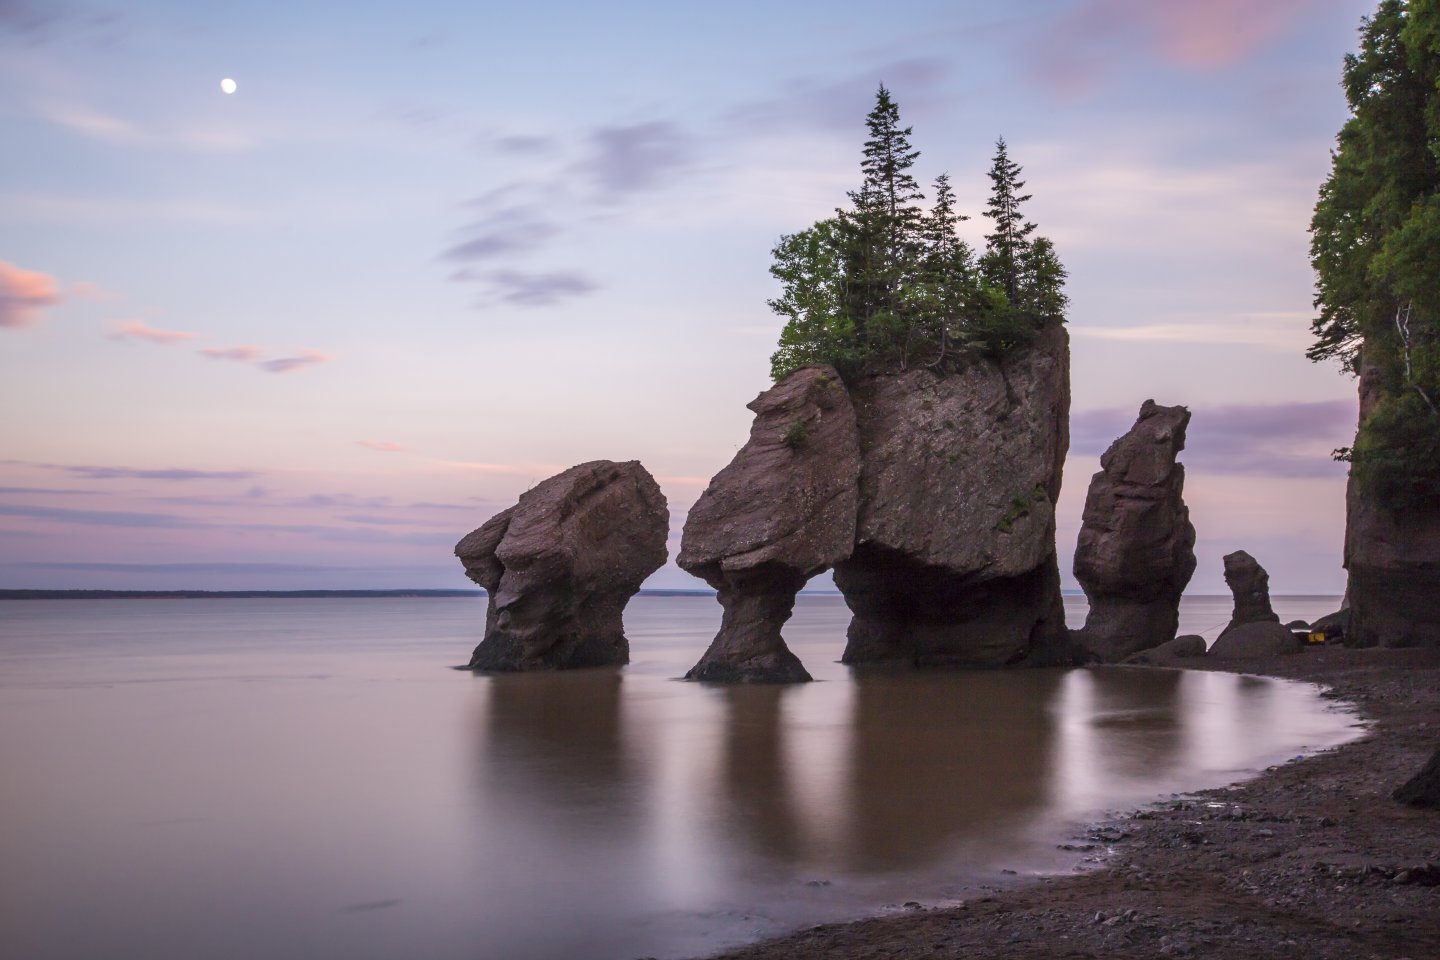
(1393, 559)
(954, 559)
(560, 565)
(782, 511)
(1262, 638)
(1333, 625)
(1136, 550)
(1423, 789)
(1165, 654)
(1250, 585)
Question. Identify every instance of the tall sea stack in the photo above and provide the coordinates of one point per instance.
(1136, 551)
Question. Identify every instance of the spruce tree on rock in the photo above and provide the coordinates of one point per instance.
(1005, 248)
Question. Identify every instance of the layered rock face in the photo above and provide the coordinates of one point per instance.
(782, 511)
(1394, 562)
(954, 558)
(560, 565)
(1136, 550)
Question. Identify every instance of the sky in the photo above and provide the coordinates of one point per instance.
(308, 334)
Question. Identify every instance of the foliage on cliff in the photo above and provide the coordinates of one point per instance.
(885, 284)
(1376, 250)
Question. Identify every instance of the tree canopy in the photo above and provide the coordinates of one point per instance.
(1375, 246)
(885, 283)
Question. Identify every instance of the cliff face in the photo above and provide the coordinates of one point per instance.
(560, 565)
(1136, 550)
(782, 511)
(1393, 560)
(954, 558)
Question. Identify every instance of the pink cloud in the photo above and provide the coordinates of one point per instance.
(23, 293)
(303, 359)
(384, 446)
(244, 353)
(135, 330)
(1097, 34)
(86, 290)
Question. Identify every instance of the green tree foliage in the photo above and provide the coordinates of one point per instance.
(1375, 246)
(885, 284)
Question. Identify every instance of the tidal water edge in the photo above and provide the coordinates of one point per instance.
(304, 778)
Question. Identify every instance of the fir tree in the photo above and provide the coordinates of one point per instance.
(1005, 247)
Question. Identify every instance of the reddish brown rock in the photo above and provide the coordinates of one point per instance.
(954, 559)
(1257, 638)
(1394, 561)
(560, 565)
(1250, 586)
(782, 511)
(1136, 550)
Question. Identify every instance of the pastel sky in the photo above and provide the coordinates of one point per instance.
(427, 254)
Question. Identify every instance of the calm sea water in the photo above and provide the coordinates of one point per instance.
(306, 779)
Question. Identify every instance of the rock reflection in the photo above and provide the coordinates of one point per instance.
(1139, 712)
(755, 771)
(555, 740)
(944, 755)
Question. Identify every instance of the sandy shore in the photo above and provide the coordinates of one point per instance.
(1312, 860)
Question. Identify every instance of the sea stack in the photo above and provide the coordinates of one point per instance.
(1136, 550)
(954, 559)
(560, 565)
(1254, 629)
(782, 511)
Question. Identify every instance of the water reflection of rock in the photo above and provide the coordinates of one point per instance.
(1140, 712)
(940, 755)
(755, 771)
(555, 741)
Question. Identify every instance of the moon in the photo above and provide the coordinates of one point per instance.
(227, 85)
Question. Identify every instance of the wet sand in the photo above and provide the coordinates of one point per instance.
(1311, 860)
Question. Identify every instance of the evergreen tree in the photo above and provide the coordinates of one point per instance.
(1375, 246)
(879, 232)
(1005, 247)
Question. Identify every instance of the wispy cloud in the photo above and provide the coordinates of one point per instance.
(135, 330)
(23, 294)
(96, 124)
(1275, 440)
(622, 160)
(540, 289)
(86, 290)
(1099, 36)
(831, 104)
(503, 232)
(383, 446)
(242, 354)
(303, 360)
(1281, 331)
(101, 518)
(93, 472)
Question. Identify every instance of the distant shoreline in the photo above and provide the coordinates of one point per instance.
(421, 594)
(278, 594)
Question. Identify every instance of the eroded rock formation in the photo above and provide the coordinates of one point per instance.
(1170, 652)
(782, 511)
(1250, 586)
(954, 558)
(1136, 550)
(560, 565)
(1394, 561)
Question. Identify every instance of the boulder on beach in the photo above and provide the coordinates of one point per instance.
(1262, 638)
(782, 511)
(560, 565)
(1167, 653)
(1250, 585)
(954, 558)
(1136, 550)
(1423, 789)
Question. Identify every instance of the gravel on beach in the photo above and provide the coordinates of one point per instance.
(1311, 860)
